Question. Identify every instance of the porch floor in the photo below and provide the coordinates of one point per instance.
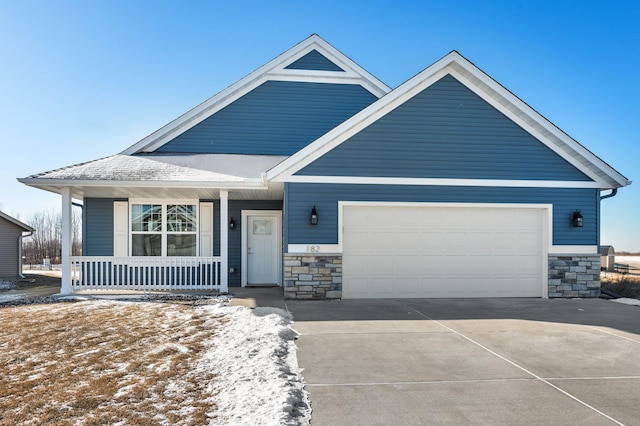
(258, 297)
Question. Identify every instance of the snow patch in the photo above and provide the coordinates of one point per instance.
(627, 301)
(6, 285)
(258, 379)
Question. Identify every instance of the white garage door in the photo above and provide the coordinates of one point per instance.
(419, 251)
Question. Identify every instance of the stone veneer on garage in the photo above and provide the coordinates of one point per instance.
(308, 276)
(574, 275)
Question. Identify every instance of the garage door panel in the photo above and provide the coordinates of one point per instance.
(481, 241)
(407, 264)
(528, 265)
(381, 217)
(357, 241)
(407, 217)
(480, 264)
(358, 217)
(432, 241)
(423, 251)
(507, 218)
(432, 264)
(527, 286)
(456, 286)
(456, 218)
(381, 264)
(407, 286)
(456, 241)
(505, 241)
(406, 242)
(529, 241)
(381, 240)
(432, 218)
(359, 264)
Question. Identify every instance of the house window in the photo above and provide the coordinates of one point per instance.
(163, 229)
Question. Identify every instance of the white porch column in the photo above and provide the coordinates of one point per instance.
(224, 240)
(66, 240)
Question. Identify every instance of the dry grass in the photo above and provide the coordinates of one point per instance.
(101, 362)
(626, 285)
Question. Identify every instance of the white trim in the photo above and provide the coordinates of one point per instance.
(374, 180)
(121, 229)
(313, 249)
(66, 236)
(247, 184)
(244, 234)
(224, 241)
(486, 88)
(578, 250)
(205, 228)
(243, 86)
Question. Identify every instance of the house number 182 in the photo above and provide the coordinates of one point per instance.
(313, 249)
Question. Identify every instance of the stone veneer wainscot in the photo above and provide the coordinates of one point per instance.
(312, 276)
(574, 275)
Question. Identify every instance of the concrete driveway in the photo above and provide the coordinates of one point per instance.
(470, 361)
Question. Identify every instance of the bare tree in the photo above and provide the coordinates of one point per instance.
(46, 241)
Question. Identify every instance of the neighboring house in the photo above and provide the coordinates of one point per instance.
(311, 174)
(11, 233)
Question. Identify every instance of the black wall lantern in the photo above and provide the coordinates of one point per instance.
(232, 224)
(577, 218)
(313, 219)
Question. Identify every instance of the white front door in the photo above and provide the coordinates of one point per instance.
(263, 249)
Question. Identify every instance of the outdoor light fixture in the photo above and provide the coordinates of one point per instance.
(313, 219)
(232, 224)
(577, 219)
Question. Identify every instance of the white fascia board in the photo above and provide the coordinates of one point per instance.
(243, 86)
(374, 180)
(462, 69)
(43, 183)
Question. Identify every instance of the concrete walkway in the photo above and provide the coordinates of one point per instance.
(470, 361)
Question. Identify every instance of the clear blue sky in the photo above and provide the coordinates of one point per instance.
(80, 80)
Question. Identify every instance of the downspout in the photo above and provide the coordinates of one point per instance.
(613, 193)
(20, 252)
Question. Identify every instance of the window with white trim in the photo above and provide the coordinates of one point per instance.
(164, 229)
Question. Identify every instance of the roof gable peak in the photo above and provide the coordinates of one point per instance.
(274, 70)
(483, 85)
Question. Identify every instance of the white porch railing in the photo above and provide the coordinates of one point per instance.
(145, 273)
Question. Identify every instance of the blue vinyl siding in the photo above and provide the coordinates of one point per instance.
(314, 60)
(97, 226)
(277, 118)
(300, 198)
(446, 131)
(235, 240)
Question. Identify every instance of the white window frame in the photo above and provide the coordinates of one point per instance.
(163, 232)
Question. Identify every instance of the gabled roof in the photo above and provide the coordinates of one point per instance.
(213, 170)
(15, 221)
(484, 86)
(281, 68)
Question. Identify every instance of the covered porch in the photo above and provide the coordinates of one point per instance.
(159, 223)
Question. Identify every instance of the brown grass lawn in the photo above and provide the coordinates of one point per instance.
(105, 362)
(626, 285)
